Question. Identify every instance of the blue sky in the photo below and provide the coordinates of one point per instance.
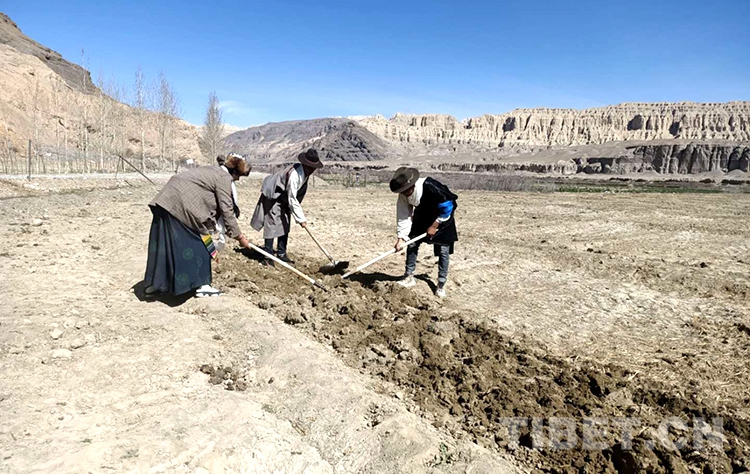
(284, 60)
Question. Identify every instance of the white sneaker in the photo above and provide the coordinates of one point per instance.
(407, 281)
(207, 290)
(440, 292)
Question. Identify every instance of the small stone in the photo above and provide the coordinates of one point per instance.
(241, 386)
(89, 338)
(61, 354)
(37, 222)
(77, 343)
(270, 380)
(56, 334)
(207, 369)
(217, 337)
(81, 324)
(215, 380)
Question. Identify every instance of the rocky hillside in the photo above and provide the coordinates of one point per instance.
(566, 127)
(53, 102)
(336, 139)
(75, 76)
(658, 156)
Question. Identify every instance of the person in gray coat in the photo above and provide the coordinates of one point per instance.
(185, 213)
(281, 196)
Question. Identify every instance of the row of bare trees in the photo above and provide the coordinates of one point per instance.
(74, 131)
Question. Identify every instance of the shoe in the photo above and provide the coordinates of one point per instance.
(151, 292)
(267, 262)
(407, 281)
(206, 290)
(440, 292)
(285, 258)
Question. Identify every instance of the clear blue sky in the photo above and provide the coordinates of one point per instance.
(282, 60)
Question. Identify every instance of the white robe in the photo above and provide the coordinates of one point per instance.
(297, 178)
(221, 240)
(405, 209)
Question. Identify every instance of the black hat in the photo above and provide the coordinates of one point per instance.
(310, 158)
(403, 179)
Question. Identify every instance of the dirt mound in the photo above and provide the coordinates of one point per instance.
(474, 381)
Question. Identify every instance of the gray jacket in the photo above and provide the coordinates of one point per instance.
(272, 210)
(198, 197)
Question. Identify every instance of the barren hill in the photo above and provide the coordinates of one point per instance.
(74, 75)
(565, 127)
(52, 102)
(337, 140)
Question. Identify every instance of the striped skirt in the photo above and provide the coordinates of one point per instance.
(179, 259)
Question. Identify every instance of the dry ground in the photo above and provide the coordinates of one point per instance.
(650, 290)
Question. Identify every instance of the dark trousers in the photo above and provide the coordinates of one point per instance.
(443, 253)
(280, 245)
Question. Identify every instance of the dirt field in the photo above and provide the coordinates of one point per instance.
(559, 305)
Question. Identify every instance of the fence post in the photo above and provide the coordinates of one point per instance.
(29, 176)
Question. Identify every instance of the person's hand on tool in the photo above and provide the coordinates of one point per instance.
(243, 241)
(432, 230)
(303, 224)
(399, 245)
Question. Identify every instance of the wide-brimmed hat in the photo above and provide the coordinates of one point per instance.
(403, 179)
(238, 164)
(310, 158)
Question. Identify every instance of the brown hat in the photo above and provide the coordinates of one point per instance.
(238, 164)
(403, 179)
(310, 158)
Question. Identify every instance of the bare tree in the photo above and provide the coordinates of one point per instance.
(83, 110)
(117, 113)
(36, 116)
(140, 105)
(167, 113)
(212, 134)
(104, 124)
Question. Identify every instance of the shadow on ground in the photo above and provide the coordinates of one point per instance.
(167, 299)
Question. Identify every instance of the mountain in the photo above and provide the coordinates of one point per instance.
(336, 140)
(543, 127)
(52, 102)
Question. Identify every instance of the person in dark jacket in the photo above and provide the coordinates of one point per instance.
(424, 206)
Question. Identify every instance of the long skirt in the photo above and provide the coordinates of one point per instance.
(178, 260)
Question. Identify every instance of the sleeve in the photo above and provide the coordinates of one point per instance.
(226, 208)
(292, 187)
(444, 211)
(403, 217)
